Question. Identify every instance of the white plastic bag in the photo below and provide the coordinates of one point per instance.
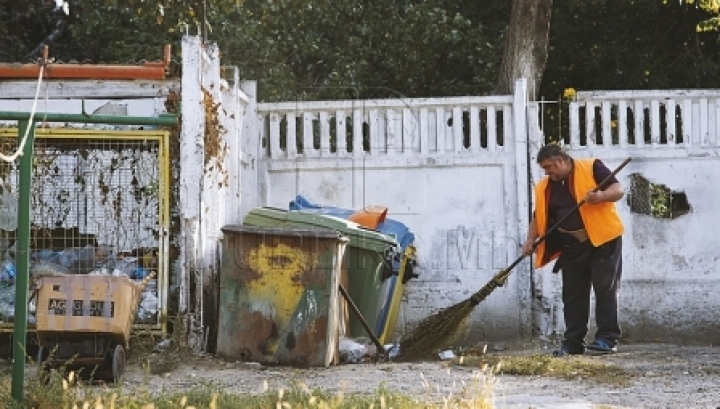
(8, 208)
(351, 352)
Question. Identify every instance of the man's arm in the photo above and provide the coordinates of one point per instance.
(612, 193)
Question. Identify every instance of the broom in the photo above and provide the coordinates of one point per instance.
(438, 330)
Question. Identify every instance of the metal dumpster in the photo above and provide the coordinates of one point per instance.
(279, 299)
(368, 261)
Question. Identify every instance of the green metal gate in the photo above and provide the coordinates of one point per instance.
(99, 205)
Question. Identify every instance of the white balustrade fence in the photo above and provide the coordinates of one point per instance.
(386, 127)
(646, 119)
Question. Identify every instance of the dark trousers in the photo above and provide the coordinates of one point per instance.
(600, 268)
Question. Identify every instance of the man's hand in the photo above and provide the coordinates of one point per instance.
(613, 193)
(527, 248)
(595, 197)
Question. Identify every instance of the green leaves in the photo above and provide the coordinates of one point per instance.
(414, 48)
(323, 49)
(597, 45)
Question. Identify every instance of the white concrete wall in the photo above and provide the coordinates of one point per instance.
(464, 200)
(134, 98)
(671, 267)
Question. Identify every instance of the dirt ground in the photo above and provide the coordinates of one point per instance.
(663, 376)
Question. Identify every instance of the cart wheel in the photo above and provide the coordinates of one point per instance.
(118, 362)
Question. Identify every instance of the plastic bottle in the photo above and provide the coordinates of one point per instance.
(8, 269)
(140, 273)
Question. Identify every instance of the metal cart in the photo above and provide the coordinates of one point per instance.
(84, 322)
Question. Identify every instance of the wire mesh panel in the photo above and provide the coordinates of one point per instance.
(99, 206)
(640, 195)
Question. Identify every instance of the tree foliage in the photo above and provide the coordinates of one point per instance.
(361, 49)
(645, 45)
(300, 49)
(710, 6)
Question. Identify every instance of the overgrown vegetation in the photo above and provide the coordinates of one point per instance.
(67, 392)
(570, 368)
(384, 49)
(655, 199)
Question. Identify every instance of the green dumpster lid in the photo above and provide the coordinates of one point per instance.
(286, 231)
(359, 236)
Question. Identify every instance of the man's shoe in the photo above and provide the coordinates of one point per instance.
(564, 352)
(601, 346)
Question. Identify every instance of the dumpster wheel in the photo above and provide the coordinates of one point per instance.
(118, 363)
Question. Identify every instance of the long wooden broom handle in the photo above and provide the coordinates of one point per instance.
(363, 322)
(503, 274)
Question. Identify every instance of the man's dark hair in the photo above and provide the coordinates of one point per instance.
(551, 151)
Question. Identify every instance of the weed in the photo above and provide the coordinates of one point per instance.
(67, 392)
(544, 365)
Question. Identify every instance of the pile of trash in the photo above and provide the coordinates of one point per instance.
(90, 260)
(359, 350)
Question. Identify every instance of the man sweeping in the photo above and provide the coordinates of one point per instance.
(587, 246)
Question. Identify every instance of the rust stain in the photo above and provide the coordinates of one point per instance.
(259, 331)
(306, 343)
(149, 71)
(313, 276)
(240, 271)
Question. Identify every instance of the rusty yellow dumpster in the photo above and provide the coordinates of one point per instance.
(279, 299)
(368, 261)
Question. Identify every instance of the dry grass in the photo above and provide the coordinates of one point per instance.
(144, 350)
(570, 368)
(67, 392)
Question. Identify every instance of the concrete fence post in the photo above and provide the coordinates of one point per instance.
(191, 158)
(250, 152)
(520, 130)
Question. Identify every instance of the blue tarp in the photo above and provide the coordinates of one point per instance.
(390, 227)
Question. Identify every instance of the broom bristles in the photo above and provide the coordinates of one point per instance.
(440, 329)
(435, 331)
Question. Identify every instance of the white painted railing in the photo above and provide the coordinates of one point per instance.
(387, 127)
(646, 118)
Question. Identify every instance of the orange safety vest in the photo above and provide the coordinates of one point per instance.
(601, 220)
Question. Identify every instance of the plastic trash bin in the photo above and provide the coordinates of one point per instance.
(403, 269)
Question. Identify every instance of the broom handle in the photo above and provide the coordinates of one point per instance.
(504, 273)
(358, 314)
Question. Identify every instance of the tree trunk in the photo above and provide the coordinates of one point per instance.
(526, 45)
